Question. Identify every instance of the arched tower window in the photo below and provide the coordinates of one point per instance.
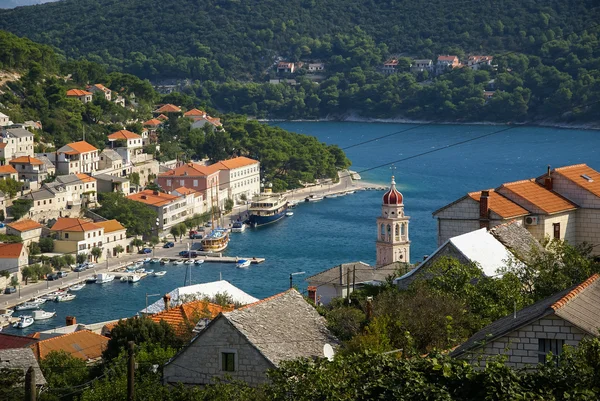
(403, 229)
(389, 232)
(397, 232)
(382, 232)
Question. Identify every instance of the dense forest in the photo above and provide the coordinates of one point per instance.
(40, 95)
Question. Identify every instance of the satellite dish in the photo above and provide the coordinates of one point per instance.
(328, 352)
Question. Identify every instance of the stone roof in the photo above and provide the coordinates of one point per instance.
(363, 274)
(21, 358)
(111, 178)
(44, 193)
(45, 160)
(517, 239)
(579, 305)
(19, 132)
(111, 154)
(283, 327)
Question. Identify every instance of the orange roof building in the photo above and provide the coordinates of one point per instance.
(153, 123)
(162, 117)
(502, 206)
(27, 160)
(170, 209)
(123, 135)
(236, 162)
(183, 318)
(25, 225)
(8, 170)
(110, 226)
(581, 176)
(76, 148)
(535, 198)
(11, 251)
(78, 93)
(152, 198)
(194, 113)
(167, 108)
(83, 344)
(69, 224)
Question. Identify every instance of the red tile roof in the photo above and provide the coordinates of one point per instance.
(501, 205)
(184, 317)
(447, 58)
(80, 147)
(123, 134)
(77, 92)
(102, 87)
(153, 122)
(191, 170)
(194, 113)
(11, 251)
(82, 344)
(575, 174)
(153, 198)
(168, 108)
(162, 117)
(184, 191)
(574, 292)
(85, 178)
(236, 162)
(26, 160)
(110, 226)
(548, 201)
(10, 341)
(8, 169)
(25, 225)
(72, 224)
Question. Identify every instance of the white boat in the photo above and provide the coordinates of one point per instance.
(292, 204)
(331, 196)
(134, 278)
(198, 261)
(160, 274)
(266, 208)
(91, 280)
(178, 262)
(104, 278)
(238, 227)
(149, 271)
(43, 315)
(65, 298)
(189, 262)
(50, 296)
(140, 271)
(243, 263)
(27, 306)
(7, 313)
(77, 287)
(350, 192)
(123, 279)
(137, 265)
(146, 260)
(289, 214)
(313, 198)
(155, 260)
(25, 321)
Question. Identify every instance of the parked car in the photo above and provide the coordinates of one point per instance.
(80, 268)
(146, 251)
(169, 245)
(190, 254)
(62, 274)
(197, 236)
(89, 265)
(10, 290)
(52, 277)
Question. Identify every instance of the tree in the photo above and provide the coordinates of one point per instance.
(175, 231)
(14, 281)
(243, 197)
(46, 244)
(138, 218)
(2, 217)
(57, 262)
(119, 249)
(134, 178)
(69, 259)
(29, 272)
(10, 187)
(81, 258)
(154, 241)
(182, 230)
(63, 371)
(12, 383)
(137, 243)
(229, 205)
(34, 249)
(96, 253)
(20, 207)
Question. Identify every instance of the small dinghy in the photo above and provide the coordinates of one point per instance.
(25, 321)
(243, 263)
(160, 274)
(77, 287)
(198, 262)
(43, 315)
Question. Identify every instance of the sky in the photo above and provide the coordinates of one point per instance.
(16, 3)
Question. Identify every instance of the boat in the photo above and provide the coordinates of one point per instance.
(77, 287)
(350, 192)
(149, 271)
(146, 260)
(238, 227)
(43, 315)
(215, 241)
(140, 270)
(243, 263)
(289, 214)
(292, 204)
(134, 278)
(104, 278)
(178, 262)
(123, 279)
(91, 280)
(160, 274)
(137, 265)
(27, 306)
(189, 262)
(65, 298)
(198, 262)
(313, 198)
(164, 261)
(267, 207)
(52, 295)
(331, 196)
(25, 321)
(155, 260)
(130, 269)
(7, 313)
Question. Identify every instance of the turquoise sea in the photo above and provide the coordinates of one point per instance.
(324, 234)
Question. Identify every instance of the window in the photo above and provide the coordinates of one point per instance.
(195, 183)
(228, 361)
(66, 235)
(546, 346)
(556, 227)
(82, 247)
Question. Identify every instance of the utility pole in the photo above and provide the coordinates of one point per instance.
(348, 286)
(353, 278)
(130, 371)
(30, 391)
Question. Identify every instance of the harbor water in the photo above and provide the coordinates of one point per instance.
(323, 234)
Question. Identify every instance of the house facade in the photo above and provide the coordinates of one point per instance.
(420, 65)
(28, 230)
(115, 235)
(110, 183)
(240, 177)
(203, 179)
(170, 209)
(14, 143)
(8, 172)
(32, 170)
(284, 67)
(390, 66)
(477, 62)
(81, 95)
(75, 158)
(75, 236)
(447, 62)
(127, 144)
(13, 258)
(99, 88)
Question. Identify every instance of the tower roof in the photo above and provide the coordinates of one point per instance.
(393, 196)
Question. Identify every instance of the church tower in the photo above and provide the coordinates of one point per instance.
(393, 244)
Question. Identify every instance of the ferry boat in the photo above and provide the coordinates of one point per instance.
(238, 227)
(216, 241)
(267, 208)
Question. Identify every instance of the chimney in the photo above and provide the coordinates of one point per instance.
(144, 197)
(484, 209)
(167, 301)
(155, 192)
(312, 293)
(548, 180)
(71, 321)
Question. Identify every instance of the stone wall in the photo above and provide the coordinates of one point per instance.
(588, 228)
(574, 192)
(521, 346)
(545, 228)
(201, 361)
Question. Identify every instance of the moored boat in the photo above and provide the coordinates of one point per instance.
(350, 192)
(51, 296)
(124, 279)
(164, 261)
(104, 278)
(313, 198)
(160, 274)
(267, 207)
(149, 271)
(189, 262)
(43, 315)
(155, 260)
(91, 280)
(289, 214)
(7, 313)
(216, 241)
(65, 298)
(25, 321)
(134, 278)
(243, 263)
(178, 262)
(146, 260)
(140, 270)
(198, 261)
(331, 196)
(238, 227)
(27, 306)
(77, 287)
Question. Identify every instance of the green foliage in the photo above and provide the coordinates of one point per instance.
(12, 384)
(229, 205)
(96, 253)
(2, 216)
(175, 231)
(14, 281)
(34, 249)
(20, 207)
(137, 217)
(10, 238)
(137, 242)
(119, 249)
(46, 244)
(81, 258)
(69, 259)
(134, 178)
(63, 371)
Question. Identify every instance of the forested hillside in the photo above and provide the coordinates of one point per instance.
(215, 39)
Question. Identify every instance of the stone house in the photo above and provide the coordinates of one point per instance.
(244, 343)
(527, 336)
(102, 89)
(32, 170)
(14, 143)
(28, 230)
(420, 65)
(284, 67)
(390, 66)
(74, 158)
(111, 183)
(127, 144)
(22, 359)
(8, 172)
(239, 176)
(447, 62)
(5, 120)
(114, 235)
(13, 257)
(316, 67)
(74, 236)
(562, 204)
(476, 62)
(111, 163)
(81, 95)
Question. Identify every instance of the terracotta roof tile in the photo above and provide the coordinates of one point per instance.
(191, 169)
(25, 225)
(183, 316)
(548, 201)
(110, 226)
(85, 178)
(237, 162)
(27, 160)
(8, 169)
(575, 174)
(153, 198)
(184, 190)
(82, 344)
(162, 117)
(153, 122)
(10, 251)
(447, 58)
(574, 292)
(72, 224)
(123, 134)
(78, 147)
(168, 108)
(194, 113)
(501, 205)
(77, 92)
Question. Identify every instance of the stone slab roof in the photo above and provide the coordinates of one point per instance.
(19, 132)
(579, 305)
(111, 178)
(283, 327)
(364, 273)
(111, 154)
(21, 358)
(517, 239)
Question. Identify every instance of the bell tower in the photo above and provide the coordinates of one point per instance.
(393, 244)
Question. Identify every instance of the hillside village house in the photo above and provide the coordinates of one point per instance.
(445, 63)
(127, 144)
(14, 143)
(8, 172)
(152, 125)
(5, 120)
(390, 66)
(316, 67)
(102, 89)
(110, 163)
(476, 62)
(28, 230)
(203, 179)
(32, 170)
(421, 65)
(170, 209)
(74, 158)
(167, 109)
(563, 204)
(115, 235)
(81, 95)
(284, 67)
(526, 337)
(21, 359)
(111, 183)
(74, 236)
(83, 344)
(252, 340)
(13, 258)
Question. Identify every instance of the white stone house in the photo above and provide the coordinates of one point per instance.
(74, 158)
(28, 230)
(81, 95)
(32, 170)
(476, 62)
(239, 176)
(102, 89)
(527, 337)
(245, 343)
(111, 183)
(114, 235)
(14, 143)
(13, 258)
(5, 120)
(127, 144)
(420, 65)
(170, 209)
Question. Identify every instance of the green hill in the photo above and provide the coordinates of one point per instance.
(216, 39)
